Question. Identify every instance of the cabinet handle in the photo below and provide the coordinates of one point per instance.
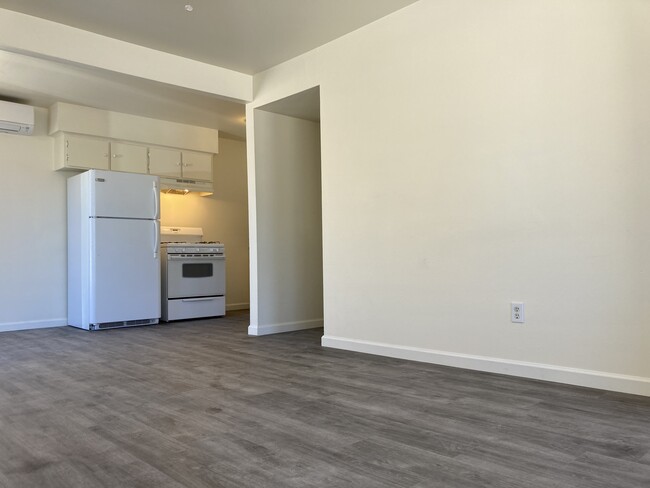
(117, 155)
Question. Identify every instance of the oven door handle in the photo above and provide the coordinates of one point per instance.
(190, 257)
(203, 299)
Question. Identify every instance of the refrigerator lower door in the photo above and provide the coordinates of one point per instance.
(124, 271)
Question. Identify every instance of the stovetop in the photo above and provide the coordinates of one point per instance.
(192, 247)
(191, 244)
(185, 243)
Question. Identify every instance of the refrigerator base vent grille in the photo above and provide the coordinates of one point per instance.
(127, 323)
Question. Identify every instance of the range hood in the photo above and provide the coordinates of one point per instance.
(183, 186)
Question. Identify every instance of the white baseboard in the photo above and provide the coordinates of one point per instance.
(32, 324)
(258, 330)
(237, 306)
(636, 385)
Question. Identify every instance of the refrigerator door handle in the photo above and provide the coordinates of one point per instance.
(156, 201)
(156, 246)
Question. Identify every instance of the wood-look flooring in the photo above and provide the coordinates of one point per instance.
(201, 404)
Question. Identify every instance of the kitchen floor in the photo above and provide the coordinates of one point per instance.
(201, 404)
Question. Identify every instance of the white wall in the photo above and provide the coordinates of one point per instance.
(223, 217)
(476, 153)
(289, 266)
(33, 219)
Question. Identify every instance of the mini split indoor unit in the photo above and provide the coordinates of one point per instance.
(16, 118)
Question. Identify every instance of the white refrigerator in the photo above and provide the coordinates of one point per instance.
(113, 250)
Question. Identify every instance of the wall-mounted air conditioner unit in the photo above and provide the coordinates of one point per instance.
(16, 118)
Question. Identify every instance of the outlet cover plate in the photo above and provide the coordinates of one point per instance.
(517, 312)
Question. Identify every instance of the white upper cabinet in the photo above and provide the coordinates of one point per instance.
(131, 158)
(81, 152)
(197, 165)
(165, 162)
(117, 126)
(172, 163)
(87, 138)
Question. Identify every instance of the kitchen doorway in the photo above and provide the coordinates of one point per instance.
(286, 216)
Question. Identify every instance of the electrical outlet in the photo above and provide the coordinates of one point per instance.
(517, 312)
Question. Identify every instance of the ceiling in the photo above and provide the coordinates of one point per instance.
(243, 35)
(303, 105)
(41, 83)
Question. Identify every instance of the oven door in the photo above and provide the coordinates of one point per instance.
(195, 276)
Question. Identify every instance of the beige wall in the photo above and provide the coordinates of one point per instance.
(476, 153)
(289, 266)
(223, 217)
(33, 218)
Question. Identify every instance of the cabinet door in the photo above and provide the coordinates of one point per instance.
(197, 165)
(86, 152)
(165, 162)
(128, 157)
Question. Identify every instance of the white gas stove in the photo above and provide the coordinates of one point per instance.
(193, 275)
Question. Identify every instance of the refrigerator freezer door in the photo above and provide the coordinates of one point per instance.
(125, 270)
(124, 195)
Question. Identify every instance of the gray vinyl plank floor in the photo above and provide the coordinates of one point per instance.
(201, 404)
